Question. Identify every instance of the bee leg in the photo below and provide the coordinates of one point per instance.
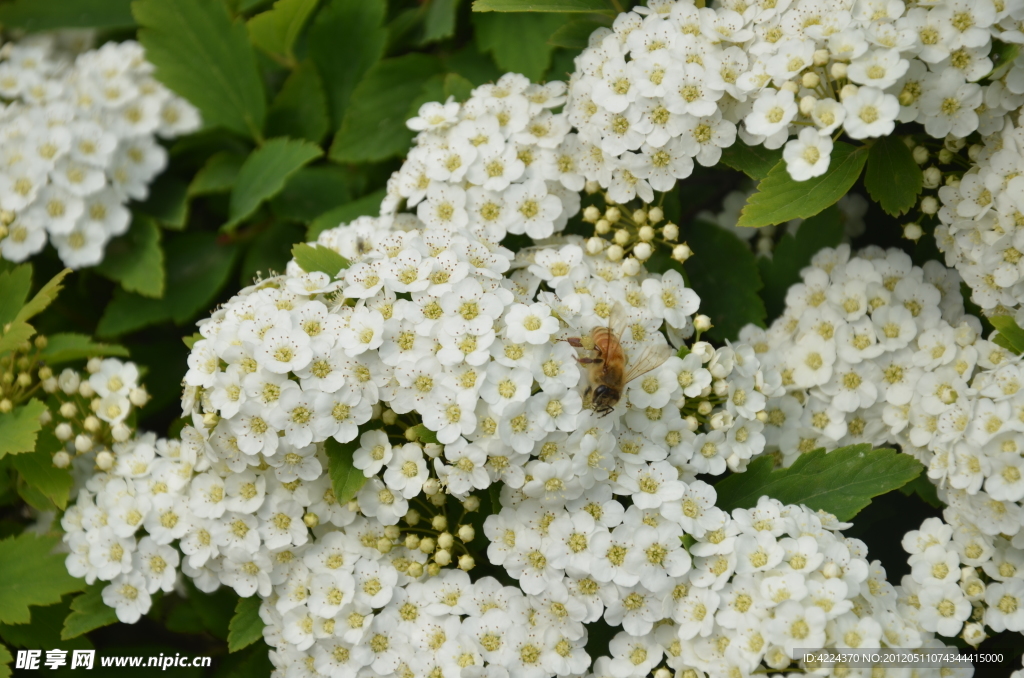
(575, 341)
(590, 361)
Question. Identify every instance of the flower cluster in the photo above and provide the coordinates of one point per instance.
(673, 82)
(77, 144)
(501, 162)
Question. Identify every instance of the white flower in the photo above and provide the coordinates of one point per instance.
(870, 113)
(808, 155)
(128, 595)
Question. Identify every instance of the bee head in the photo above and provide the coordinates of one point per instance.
(605, 399)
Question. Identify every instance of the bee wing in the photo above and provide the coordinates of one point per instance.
(650, 357)
(617, 320)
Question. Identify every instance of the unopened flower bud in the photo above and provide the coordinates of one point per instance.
(466, 533)
(50, 385)
(912, 232)
(790, 86)
(105, 460)
(438, 499)
(643, 251)
(720, 387)
(717, 420)
(612, 214)
(703, 350)
(974, 151)
(86, 390)
(427, 545)
(69, 381)
(311, 519)
(603, 226)
(831, 570)
(392, 532)
(433, 569)
(820, 57)
(932, 177)
(44, 373)
(591, 214)
(24, 380)
(691, 423)
(63, 432)
(838, 70)
(614, 253)
(640, 216)
(920, 155)
(384, 545)
(471, 503)
(91, 424)
(808, 103)
(670, 231)
(389, 417)
(466, 563)
(810, 80)
(622, 237)
(701, 323)
(431, 486)
(83, 443)
(929, 204)
(138, 396)
(415, 570)
(631, 266)
(952, 180)
(945, 156)
(591, 187)
(94, 365)
(662, 673)
(704, 409)
(655, 214)
(412, 541)
(761, 416)
(595, 245)
(211, 419)
(412, 517)
(681, 252)
(953, 142)
(120, 432)
(62, 459)
(974, 633)
(445, 540)
(443, 557)
(646, 233)
(433, 450)
(6, 405)
(439, 523)
(848, 91)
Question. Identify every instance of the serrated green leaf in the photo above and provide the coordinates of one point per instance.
(5, 661)
(544, 6)
(167, 202)
(368, 205)
(136, 259)
(276, 30)
(265, 172)
(575, 34)
(14, 288)
(13, 335)
(1003, 54)
(245, 627)
(88, 612)
(346, 479)
(440, 20)
(65, 347)
(1010, 337)
(754, 161)
(191, 340)
(312, 191)
(318, 258)
(346, 39)
(424, 434)
(518, 42)
(218, 175)
(779, 198)
(43, 298)
(48, 15)
(841, 482)
(19, 428)
(374, 125)
(793, 253)
(205, 57)
(892, 178)
(925, 490)
(457, 86)
(43, 631)
(728, 294)
(300, 108)
(38, 471)
(31, 575)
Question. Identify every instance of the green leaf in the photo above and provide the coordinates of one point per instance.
(1003, 55)
(754, 161)
(892, 178)
(457, 86)
(374, 125)
(205, 57)
(48, 15)
(312, 191)
(18, 429)
(38, 471)
(191, 340)
(440, 20)
(1010, 337)
(197, 268)
(66, 347)
(32, 575)
(270, 252)
(575, 34)
(5, 661)
(167, 202)
(518, 42)
(368, 205)
(779, 198)
(246, 627)
(424, 434)
(276, 30)
(925, 490)
(88, 612)
(14, 334)
(543, 6)
(346, 479)
(346, 39)
(265, 172)
(136, 259)
(792, 254)
(841, 482)
(249, 663)
(14, 288)
(728, 294)
(43, 298)
(300, 108)
(318, 258)
(218, 175)
(214, 609)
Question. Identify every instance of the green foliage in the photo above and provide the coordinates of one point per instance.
(205, 57)
(779, 198)
(47, 15)
(15, 285)
(6, 659)
(264, 173)
(518, 42)
(167, 202)
(346, 39)
(66, 347)
(213, 609)
(31, 575)
(277, 29)
(300, 108)
(245, 627)
(19, 428)
(754, 161)
(892, 178)
(841, 482)
(318, 258)
(312, 191)
(794, 253)
(136, 259)
(346, 479)
(218, 175)
(366, 206)
(38, 470)
(544, 6)
(43, 298)
(44, 629)
(727, 291)
(374, 125)
(440, 20)
(1010, 336)
(575, 33)
(88, 612)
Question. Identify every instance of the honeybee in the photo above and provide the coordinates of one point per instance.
(609, 369)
